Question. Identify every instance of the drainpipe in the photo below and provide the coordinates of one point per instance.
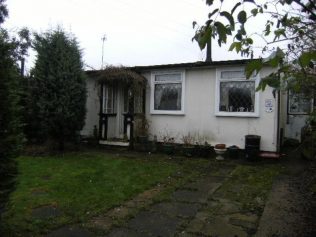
(278, 120)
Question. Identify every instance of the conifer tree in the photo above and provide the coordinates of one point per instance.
(10, 120)
(59, 88)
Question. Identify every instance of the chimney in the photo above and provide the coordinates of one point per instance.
(209, 51)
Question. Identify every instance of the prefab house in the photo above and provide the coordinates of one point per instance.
(211, 101)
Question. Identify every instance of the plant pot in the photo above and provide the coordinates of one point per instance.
(204, 151)
(220, 146)
(233, 152)
(168, 149)
(188, 151)
(143, 139)
(220, 153)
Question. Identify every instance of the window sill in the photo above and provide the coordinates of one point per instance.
(237, 114)
(166, 112)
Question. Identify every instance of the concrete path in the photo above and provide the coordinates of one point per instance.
(290, 207)
(192, 210)
(195, 209)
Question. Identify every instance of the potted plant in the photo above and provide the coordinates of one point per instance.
(188, 147)
(204, 149)
(168, 143)
(233, 152)
(220, 149)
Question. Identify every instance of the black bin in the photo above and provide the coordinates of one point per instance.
(252, 146)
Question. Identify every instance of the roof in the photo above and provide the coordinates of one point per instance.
(199, 64)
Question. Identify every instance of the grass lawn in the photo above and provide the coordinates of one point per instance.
(81, 185)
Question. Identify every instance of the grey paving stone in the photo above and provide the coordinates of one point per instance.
(224, 206)
(221, 228)
(248, 221)
(46, 212)
(185, 210)
(154, 223)
(124, 232)
(208, 185)
(190, 196)
(70, 231)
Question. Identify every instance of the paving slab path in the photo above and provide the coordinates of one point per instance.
(187, 212)
(194, 209)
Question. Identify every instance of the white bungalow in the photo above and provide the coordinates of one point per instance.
(212, 101)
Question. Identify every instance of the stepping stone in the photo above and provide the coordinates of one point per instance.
(220, 227)
(248, 221)
(154, 223)
(46, 212)
(124, 232)
(176, 209)
(221, 171)
(190, 196)
(70, 231)
(208, 185)
(224, 206)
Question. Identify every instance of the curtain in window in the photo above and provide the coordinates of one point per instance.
(168, 96)
(237, 96)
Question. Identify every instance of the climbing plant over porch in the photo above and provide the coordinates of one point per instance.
(114, 75)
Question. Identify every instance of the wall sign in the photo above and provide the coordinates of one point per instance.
(268, 103)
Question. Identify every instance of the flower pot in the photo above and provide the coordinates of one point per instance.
(168, 149)
(220, 146)
(204, 151)
(143, 139)
(233, 152)
(220, 153)
(188, 151)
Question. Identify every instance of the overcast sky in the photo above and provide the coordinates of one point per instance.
(138, 32)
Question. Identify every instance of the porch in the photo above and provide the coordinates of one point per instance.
(122, 105)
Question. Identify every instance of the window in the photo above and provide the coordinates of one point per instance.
(138, 100)
(299, 103)
(236, 96)
(109, 100)
(167, 93)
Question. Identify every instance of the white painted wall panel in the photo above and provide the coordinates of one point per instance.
(199, 115)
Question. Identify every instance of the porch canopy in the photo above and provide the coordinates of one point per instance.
(119, 75)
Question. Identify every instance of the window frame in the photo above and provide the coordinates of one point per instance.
(255, 78)
(289, 112)
(152, 92)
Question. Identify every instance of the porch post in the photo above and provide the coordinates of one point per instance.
(131, 123)
(144, 101)
(101, 112)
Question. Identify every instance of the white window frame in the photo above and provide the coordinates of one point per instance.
(152, 92)
(241, 79)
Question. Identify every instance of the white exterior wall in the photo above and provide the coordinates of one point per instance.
(199, 114)
(93, 108)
